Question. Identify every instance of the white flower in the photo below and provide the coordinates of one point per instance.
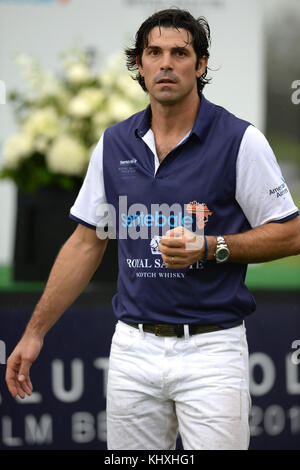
(115, 67)
(119, 109)
(31, 70)
(99, 124)
(67, 156)
(42, 122)
(86, 102)
(115, 61)
(79, 107)
(78, 73)
(16, 148)
(50, 87)
(25, 61)
(41, 144)
(130, 88)
(57, 108)
(107, 78)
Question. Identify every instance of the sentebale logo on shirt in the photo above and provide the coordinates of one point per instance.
(128, 168)
(136, 222)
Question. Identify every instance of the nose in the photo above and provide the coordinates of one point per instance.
(166, 62)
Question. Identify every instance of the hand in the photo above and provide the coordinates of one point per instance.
(18, 365)
(180, 248)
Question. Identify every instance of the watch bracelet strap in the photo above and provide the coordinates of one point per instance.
(221, 240)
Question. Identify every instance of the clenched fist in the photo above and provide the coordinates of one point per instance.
(180, 248)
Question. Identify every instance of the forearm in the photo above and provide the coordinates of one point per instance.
(261, 244)
(71, 272)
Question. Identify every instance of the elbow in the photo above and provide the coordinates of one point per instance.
(292, 241)
(293, 245)
(297, 238)
(297, 246)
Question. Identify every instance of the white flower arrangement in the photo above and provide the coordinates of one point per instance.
(61, 118)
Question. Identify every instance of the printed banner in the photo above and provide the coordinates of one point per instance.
(67, 408)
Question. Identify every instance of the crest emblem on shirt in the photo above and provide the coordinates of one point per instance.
(154, 245)
(201, 212)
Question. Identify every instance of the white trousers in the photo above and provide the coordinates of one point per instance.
(195, 385)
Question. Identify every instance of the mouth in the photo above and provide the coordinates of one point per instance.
(166, 81)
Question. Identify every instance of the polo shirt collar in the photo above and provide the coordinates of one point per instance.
(204, 118)
(144, 123)
(203, 121)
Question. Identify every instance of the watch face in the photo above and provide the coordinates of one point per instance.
(222, 254)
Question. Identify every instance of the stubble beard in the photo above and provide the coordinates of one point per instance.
(173, 99)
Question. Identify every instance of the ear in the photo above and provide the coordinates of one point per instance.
(202, 66)
(139, 65)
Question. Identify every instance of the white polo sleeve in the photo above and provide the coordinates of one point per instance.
(92, 192)
(261, 190)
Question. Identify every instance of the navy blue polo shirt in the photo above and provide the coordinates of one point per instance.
(199, 173)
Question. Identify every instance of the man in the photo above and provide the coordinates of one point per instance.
(179, 358)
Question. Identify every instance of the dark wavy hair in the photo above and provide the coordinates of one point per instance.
(171, 18)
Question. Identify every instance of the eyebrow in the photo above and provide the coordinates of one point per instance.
(175, 48)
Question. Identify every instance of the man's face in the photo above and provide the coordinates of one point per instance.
(169, 65)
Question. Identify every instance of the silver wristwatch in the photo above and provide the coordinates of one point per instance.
(222, 251)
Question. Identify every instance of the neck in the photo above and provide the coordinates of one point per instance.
(176, 118)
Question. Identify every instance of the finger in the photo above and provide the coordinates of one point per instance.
(177, 232)
(172, 251)
(20, 391)
(12, 368)
(23, 376)
(25, 384)
(171, 248)
(172, 242)
(180, 232)
(190, 243)
(12, 384)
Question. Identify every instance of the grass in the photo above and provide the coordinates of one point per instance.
(7, 283)
(280, 274)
